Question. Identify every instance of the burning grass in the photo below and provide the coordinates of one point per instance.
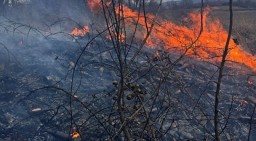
(184, 39)
(80, 32)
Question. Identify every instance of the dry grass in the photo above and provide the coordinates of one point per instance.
(244, 28)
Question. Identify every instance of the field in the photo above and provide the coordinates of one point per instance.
(111, 82)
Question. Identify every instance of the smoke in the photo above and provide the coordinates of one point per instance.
(48, 14)
(35, 38)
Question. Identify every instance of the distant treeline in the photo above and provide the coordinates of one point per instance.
(197, 3)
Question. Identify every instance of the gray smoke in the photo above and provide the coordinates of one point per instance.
(46, 14)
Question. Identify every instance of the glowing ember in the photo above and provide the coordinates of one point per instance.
(75, 135)
(180, 38)
(80, 32)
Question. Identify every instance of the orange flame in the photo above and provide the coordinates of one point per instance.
(80, 32)
(181, 38)
(75, 135)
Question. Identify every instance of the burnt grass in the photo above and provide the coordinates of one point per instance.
(32, 67)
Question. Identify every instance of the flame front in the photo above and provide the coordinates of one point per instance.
(209, 46)
(166, 34)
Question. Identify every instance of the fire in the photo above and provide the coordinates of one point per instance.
(181, 38)
(210, 45)
(75, 135)
(80, 32)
